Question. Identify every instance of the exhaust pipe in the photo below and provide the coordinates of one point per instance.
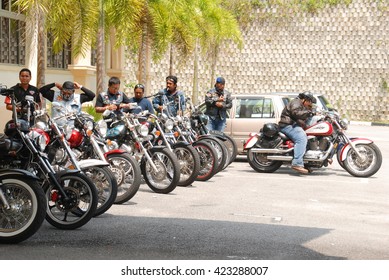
(270, 151)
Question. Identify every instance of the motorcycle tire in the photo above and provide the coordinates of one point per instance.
(367, 166)
(27, 209)
(260, 164)
(208, 160)
(189, 162)
(106, 186)
(232, 147)
(221, 150)
(165, 178)
(128, 176)
(82, 202)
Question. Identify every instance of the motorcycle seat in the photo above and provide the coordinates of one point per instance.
(283, 136)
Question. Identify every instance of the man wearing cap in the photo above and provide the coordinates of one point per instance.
(170, 96)
(65, 96)
(217, 101)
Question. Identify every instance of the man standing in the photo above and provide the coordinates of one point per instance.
(217, 101)
(113, 99)
(175, 98)
(21, 90)
(143, 103)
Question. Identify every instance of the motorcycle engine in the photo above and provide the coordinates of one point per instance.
(315, 143)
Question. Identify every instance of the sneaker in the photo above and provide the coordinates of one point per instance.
(300, 169)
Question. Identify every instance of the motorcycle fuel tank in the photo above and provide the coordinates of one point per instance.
(320, 129)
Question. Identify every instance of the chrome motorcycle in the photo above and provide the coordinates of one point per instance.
(269, 149)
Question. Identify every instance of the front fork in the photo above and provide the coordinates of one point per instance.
(3, 199)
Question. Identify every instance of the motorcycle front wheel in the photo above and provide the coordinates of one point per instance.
(165, 177)
(366, 165)
(189, 162)
(208, 160)
(27, 209)
(128, 176)
(79, 206)
(106, 186)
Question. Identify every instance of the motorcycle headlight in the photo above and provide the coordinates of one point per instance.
(169, 124)
(143, 130)
(344, 123)
(89, 124)
(187, 124)
(67, 130)
(41, 125)
(39, 139)
(60, 156)
(102, 127)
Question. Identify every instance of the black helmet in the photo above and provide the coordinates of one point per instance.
(307, 96)
(270, 130)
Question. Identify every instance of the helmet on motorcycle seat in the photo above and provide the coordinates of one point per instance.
(270, 130)
(11, 129)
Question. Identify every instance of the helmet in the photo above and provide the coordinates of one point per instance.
(11, 129)
(270, 130)
(307, 96)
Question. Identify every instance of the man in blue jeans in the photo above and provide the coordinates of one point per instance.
(292, 123)
(217, 101)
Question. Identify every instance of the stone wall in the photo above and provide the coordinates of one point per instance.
(342, 51)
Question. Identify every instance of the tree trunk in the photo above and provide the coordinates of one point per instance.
(195, 93)
(100, 52)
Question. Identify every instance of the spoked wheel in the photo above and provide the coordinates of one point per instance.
(367, 164)
(79, 206)
(165, 174)
(221, 151)
(26, 211)
(189, 162)
(128, 176)
(260, 163)
(231, 145)
(106, 186)
(208, 160)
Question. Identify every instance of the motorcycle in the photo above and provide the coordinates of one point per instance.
(22, 204)
(87, 143)
(63, 153)
(269, 149)
(71, 198)
(159, 166)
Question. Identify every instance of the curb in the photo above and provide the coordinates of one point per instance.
(367, 123)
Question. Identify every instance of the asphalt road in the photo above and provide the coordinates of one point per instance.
(237, 215)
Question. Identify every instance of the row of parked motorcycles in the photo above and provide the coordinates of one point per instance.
(70, 168)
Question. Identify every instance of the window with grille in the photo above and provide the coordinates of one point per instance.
(59, 60)
(12, 35)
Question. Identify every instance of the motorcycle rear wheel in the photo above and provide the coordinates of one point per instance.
(260, 164)
(27, 209)
(189, 162)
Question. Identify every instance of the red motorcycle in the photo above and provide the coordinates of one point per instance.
(269, 149)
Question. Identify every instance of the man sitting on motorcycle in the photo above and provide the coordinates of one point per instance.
(292, 123)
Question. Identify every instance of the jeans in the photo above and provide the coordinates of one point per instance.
(299, 137)
(216, 123)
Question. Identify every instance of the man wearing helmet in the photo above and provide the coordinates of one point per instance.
(65, 96)
(292, 123)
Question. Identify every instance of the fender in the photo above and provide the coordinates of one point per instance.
(6, 173)
(212, 136)
(92, 162)
(179, 144)
(347, 147)
(251, 141)
(158, 148)
(115, 151)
